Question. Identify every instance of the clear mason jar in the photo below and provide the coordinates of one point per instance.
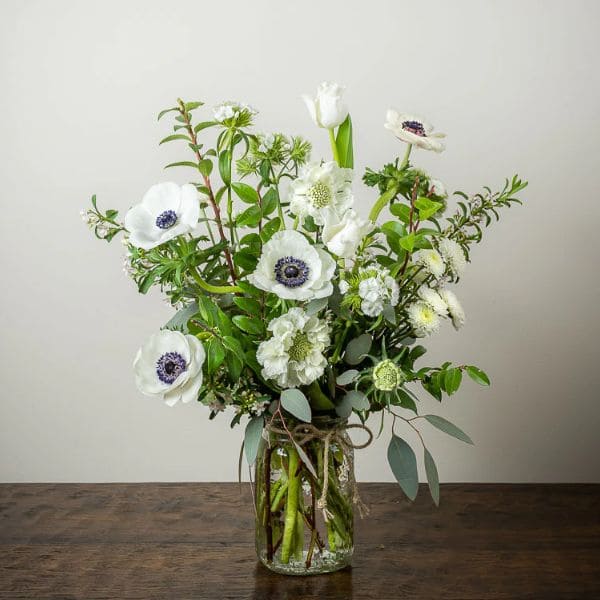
(297, 533)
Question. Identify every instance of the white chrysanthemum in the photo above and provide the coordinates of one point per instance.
(294, 354)
(457, 314)
(342, 238)
(413, 130)
(454, 255)
(327, 109)
(165, 212)
(322, 191)
(431, 260)
(292, 268)
(438, 188)
(169, 365)
(433, 299)
(377, 289)
(423, 318)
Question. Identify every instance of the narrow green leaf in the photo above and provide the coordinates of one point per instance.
(449, 428)
(185, 163)
(251, 326)
(403, 463)
(296, 403)
(307, 462)
(192, 105)
(204, 125)
(162, 113)
(233, 345)
(477, 375)
(215, 355)
(252, 437)
(175, 136)
(432, 477)
(225, 166)
(249, 305)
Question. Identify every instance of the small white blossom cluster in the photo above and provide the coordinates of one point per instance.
(228, 110)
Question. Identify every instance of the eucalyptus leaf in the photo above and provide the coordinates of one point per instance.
(343, 408)
(432, 477)
(358, 400)
(252, 437)
(347, 377)
(403, 463)
(296, 403)
(178, 322)
(357, 349)
(316, 305)
(449, 428)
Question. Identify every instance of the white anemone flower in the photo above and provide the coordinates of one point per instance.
(169, 365)
(454, 255)
(431, 260)
(293, 356)
(433, 299)
(293, 269)
(322, 191)
(328, 109)
(376, 289)
(165, 212)
(413, 130)
(342, 238)
(457, 314)
(423, 318)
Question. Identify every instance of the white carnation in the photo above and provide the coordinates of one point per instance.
(294, 354)
(454, 255)
(322, 191)
(457, 314)
(376, 289)
(292, 268)
(423, 318)
(431, 260)
(169, 365)
(433, 299)
(165, 212)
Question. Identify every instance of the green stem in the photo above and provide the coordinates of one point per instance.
(213, 289)
(382, 202)
(334, 148)
(406, 157)
(291, 507)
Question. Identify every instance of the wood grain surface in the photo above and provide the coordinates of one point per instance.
(196, 540)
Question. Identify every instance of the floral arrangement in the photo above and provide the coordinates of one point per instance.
(295, 306)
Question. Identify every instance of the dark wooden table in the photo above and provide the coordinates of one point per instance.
(196, 541)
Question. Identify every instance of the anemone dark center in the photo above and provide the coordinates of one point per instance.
(414, 127)
(170, 366)
(291, 272)
(166, 219)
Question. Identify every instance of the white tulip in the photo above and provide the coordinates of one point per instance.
(165, 212)
(342, 238)
(327, 110)
(169, 365)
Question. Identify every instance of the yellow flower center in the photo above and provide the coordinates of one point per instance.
(320, 194)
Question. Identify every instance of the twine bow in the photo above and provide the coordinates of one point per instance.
(306, 432)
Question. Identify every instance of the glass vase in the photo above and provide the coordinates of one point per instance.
(304, 492)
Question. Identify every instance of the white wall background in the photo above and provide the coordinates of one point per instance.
(516, 86)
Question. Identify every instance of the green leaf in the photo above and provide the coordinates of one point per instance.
(427, 208)
(357, 349)
(249, 305)
(316, 305)
(343, 408)
(402, 211)
(225, 166)
(162, 113)
(215, 355)
(233, 345)
(184, 163)
(178, 322)
(449, 428)
(205, 167)
(269, 202)
(477, 375)
(403, 463)
(452, 380)
(306, 460)
(175, 136)
(432, 477)
(188, 106)
(269, 229)
(358, 400)
(408, 242)
(347, 377)
(204, 125)
(245, 192)
(252, 437)
(296, 403)
(343, 142)
(251, 326)
(389, 313)
(406, 400)
(249, 218)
